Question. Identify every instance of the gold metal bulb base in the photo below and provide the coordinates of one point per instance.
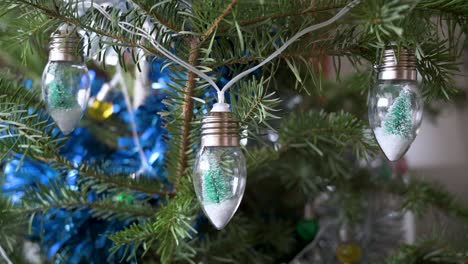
(397, 65)
(66, 45)
(220, 129)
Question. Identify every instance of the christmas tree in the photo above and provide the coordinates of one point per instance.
(398, 119)
(119, 189)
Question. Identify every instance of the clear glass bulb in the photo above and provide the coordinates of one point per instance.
(219, 178)
(65, 89)
(395, 115)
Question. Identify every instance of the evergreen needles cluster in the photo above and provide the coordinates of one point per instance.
(316, 149)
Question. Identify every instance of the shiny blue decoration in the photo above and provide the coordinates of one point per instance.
(78, 236)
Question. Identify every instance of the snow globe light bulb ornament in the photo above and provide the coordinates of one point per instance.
(65, 81)
(395, 104)
(219, 174)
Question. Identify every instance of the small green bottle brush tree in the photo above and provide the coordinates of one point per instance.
(398, 119)
(215, 188)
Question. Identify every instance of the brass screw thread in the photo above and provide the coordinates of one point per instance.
(66, 45)
(220, 129)
(397, 65)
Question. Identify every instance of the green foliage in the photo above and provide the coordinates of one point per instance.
(174, 121)
(254, 106)
(169, 230)
(381, 19)
(246, 240)
(57, 195)
(94, 178)
(427, 252)
(315, 148)
(437, 66)
(27, 28)
(316, 131)
(420, 195)
(318, 143)
(12, 226)
(23, 132)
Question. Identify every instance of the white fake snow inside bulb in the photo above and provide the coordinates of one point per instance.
(220, 214)
(67, 119)
(393, 146)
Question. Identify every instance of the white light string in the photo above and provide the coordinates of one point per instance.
(144, 34)
(5, 256)
(301, 33)
(118, 79)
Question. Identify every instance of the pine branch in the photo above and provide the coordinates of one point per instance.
(243, 239)
(456, 7)
(76, 22)
(437, 66)
(427, 252)
(188, 110)
(254, 105)
(215, 24)
(26, 60)
(18, 94)
(290, 55)
(100, 181)
(12, 225)
(419, 195)
(21, 131)
(319, 135)
(172, 225)
(58, 195)
(339, 129)
(150, 9)
(254, 21)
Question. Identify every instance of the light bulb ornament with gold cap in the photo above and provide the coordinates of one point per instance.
(395, 104)
(220, 172)
(65, 81)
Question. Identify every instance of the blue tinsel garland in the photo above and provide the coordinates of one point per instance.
(77, 236)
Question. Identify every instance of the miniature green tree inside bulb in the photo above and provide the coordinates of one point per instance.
(398, 121)
(215, 187)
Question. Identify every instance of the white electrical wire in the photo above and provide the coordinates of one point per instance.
(5, 256)
(167, 53)
(144, 34)
(118, 79)
(301, 33)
